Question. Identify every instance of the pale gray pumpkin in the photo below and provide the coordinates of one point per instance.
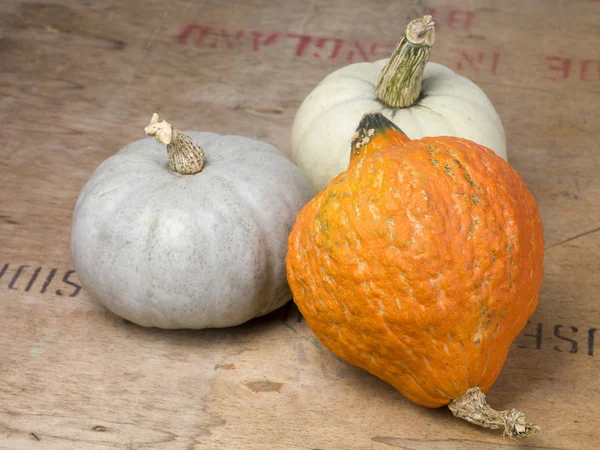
(167, 250)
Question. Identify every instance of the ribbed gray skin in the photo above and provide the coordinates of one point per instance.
(207, 250)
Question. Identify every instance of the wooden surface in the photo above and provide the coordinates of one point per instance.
(80, 79)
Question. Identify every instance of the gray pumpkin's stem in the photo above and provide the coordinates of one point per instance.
(399, 84)
(472, 407)
(185, 156)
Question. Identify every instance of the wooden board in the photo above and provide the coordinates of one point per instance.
(80, 79)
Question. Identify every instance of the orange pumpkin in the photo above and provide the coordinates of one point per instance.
(421, 263)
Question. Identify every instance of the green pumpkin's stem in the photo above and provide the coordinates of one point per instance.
(399, 84)
(185, 156)
(472, 407)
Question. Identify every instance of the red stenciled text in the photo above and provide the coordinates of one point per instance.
(563, 68)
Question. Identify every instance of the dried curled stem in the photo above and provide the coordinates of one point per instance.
(185, 156)
(473, 408)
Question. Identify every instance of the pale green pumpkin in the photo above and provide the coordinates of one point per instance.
(422, 98)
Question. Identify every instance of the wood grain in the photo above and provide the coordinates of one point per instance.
(80, 79)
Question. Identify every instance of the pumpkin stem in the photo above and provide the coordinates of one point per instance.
(373, 132)
(185, 156)
(399, 84)
(473, 408)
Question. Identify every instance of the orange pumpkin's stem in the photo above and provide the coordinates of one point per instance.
(374, 132)
(473, 408)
